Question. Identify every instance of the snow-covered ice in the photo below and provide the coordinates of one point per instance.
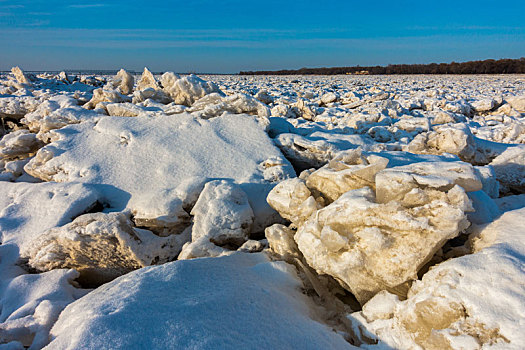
(147, 158)
(222, 216)
(240, 301)
(281, 212)
(27, 209)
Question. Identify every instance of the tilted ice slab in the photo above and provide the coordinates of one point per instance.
(509, 168)
(149, 88)
(19, 144)
(124, 82)
(470, 302)
(242, 301)
(517, 102)
(347, 171)
(394, 183)
(102, 247)
(147, 80)
(318, 148)
(369, 246)
(373, 228)
(151, 162)
(56, 113)
(20, 76)
(293, 200)
(214, 104)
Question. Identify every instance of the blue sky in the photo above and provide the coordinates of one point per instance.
(229, 36)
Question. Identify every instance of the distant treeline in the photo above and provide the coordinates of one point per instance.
(503, 66)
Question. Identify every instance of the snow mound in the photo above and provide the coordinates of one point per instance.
(253, 304)
(27, 210)
(31, 305)
(222, 218)
(148, 158)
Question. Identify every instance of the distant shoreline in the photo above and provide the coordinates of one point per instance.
(502, 66)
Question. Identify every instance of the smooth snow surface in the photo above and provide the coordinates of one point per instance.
(242, 301)
(32, 303)
(26, 210)
(142, 161)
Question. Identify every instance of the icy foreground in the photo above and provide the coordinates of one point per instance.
(245, 294)
(129, 206)
(450, 307)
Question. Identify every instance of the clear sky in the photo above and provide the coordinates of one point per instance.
(228, 36)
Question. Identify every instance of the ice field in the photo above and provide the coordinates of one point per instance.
(270, 212)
